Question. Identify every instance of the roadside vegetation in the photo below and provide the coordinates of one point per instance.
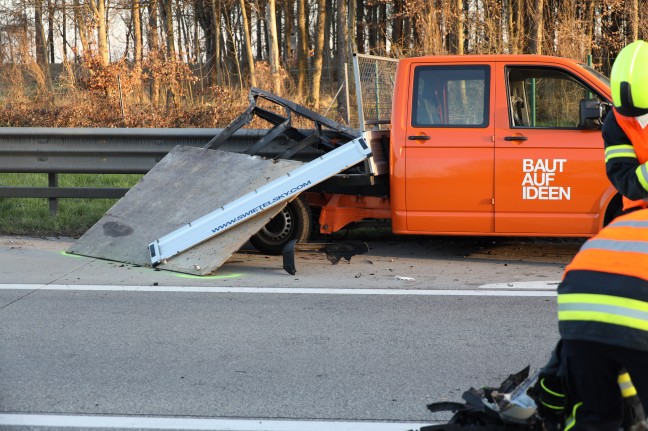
(177, 63)
(20, 216)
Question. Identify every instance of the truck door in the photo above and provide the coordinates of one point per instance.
(549, 169)
(449, 150)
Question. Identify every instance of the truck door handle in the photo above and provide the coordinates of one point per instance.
(515, 138)
(419, 138)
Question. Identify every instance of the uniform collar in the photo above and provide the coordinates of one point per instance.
(643, 120)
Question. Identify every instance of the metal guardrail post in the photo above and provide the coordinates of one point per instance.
(52, 181)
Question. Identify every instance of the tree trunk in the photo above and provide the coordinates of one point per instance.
(287, 49)
(633, 20)
(216, 59)
(249, 55)
(589, 25)
(64, 31)
(230, 48)
(511, 28)
(535, 30)
(80, 23)
(457, 35)
(397, 24)
(351, 26)
(360, 27)
(260, 32)
(98, 8)
(382, 29)
(302, 50)
(372, 13)
(41, 45)
(154, 47)
(343, 109)
(166, 7)
(50, 30)
(137, 32)
(319, 53)
(273, 43)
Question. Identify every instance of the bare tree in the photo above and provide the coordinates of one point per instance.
(98, 9)
(286, 31)
(535, 26)
(261, 30)
(398, 38)
(456, 37)
(64, 43)
(515, 27)
(137, 31)
(273, 43)
(302, 50)
(166, 8)
(41, 44)
(50, 30)
(633, 20)
(319, 53)
(360, 27)
(342, 56)
(154, 47)
(249, 55)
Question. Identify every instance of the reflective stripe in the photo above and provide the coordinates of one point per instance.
(642, 176)
(603, 308)
(549, 406)
(629, 223)
(616, 151)
(571, 420)
(626, 386)
(546, 389)
(616, 245)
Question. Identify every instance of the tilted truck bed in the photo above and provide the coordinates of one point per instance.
(157, 221)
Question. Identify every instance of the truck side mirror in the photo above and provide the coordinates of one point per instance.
(591, 114)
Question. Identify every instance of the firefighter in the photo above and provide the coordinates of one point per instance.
(603, 322)
(624, 131)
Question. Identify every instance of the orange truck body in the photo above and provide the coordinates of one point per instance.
(502, 154)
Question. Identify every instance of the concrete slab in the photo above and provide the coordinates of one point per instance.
(187, 184)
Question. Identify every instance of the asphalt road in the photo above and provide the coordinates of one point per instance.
(374, 339)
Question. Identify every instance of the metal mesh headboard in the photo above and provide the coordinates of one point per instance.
(374, 79)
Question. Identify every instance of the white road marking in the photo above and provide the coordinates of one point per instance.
(166, 423)
(523, 285)
(278, 290)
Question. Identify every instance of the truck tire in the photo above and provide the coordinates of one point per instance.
(293, 222)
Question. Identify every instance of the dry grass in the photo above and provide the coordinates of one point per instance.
(87, 109)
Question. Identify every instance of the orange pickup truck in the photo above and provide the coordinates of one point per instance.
(476, 145)
(490, 145)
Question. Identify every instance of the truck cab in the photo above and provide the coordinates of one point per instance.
(498, 145)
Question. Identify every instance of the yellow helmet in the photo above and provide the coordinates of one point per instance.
(629, 80)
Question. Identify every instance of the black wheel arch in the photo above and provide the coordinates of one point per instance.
(614, 209)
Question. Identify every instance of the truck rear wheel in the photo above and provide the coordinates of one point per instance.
(293, 222)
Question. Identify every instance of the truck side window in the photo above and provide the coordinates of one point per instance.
(450, 96)
(543, 97)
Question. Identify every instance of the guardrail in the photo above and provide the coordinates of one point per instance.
(54, 151)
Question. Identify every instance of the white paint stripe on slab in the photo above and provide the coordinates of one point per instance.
(165, 423)
(276, 290)
(523, 285)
